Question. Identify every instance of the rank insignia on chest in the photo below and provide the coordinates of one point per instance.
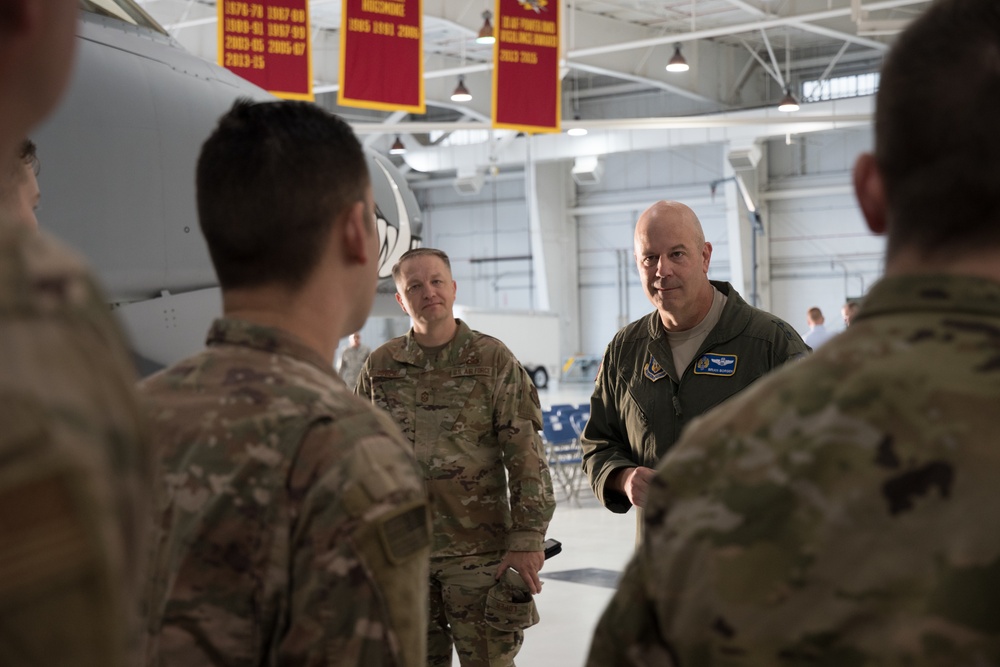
(716, 364)
(654, 371)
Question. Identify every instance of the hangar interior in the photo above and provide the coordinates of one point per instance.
(544, 222)
(532, 222)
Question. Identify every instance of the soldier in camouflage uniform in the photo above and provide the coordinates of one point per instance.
(839, 511)
(73, 459)
(472, 416)
(293, 523)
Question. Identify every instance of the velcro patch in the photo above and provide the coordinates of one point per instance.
(405, 532)
(653, 370)
(716, 364)
(388, 373)
(471, 370)
(44, 538)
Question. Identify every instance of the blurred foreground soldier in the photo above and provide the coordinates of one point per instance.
(842, 511)
(701, 345)
(73, 463)
(817, 334)
(294, 527)
(472, 416)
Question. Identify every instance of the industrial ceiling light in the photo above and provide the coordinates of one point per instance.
(788, 102)
(677, 63)
(461, 93)
(575, 130)
(486, 32)
(397, 147)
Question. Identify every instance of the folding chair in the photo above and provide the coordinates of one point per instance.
(562, 446)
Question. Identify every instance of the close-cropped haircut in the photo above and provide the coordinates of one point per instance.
(272, 180)
(28, 154)
(936, 140)
(418, 252)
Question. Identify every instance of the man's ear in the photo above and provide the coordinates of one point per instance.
(399, 300)
(869, 188)
(355, 235)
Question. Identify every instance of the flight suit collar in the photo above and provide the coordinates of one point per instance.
(734, 319)
(230, 331)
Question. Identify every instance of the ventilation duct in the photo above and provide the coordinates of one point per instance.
(587, 170)
(744, 158)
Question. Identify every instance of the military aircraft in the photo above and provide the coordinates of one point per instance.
(117, 178)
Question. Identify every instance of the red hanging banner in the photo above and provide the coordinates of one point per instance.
(381, 55)
(526, 92)
(267, 43)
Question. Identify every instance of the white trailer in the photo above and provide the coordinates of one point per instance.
(532, 335)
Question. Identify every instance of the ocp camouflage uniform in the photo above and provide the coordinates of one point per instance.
(472, 416)
(294, 526)
(840, 512)
(74, 464)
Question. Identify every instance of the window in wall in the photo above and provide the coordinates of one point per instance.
(839, 87)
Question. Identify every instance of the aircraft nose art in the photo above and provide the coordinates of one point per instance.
(399, 221)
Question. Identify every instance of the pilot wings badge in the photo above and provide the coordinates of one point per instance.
(716, 364)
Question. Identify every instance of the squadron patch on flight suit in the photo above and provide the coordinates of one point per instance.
(654, 371)
(716, 364)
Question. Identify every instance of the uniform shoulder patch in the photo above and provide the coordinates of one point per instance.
(405, 531)
(653, 370)
(716, 364)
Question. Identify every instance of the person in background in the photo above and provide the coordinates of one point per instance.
(837, 512)
(293, 526)
(352, 360)
(848, 311)
(74, 463)
(472, 416)
(701, 345)
(817, 334)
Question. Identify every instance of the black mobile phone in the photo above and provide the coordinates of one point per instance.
(552, 547)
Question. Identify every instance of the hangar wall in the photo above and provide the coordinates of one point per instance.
(815, 249)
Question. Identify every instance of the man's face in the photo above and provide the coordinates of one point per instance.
(672, 262)
(426, 290)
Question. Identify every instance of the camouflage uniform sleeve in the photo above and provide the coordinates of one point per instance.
(363, 387)
(75, 473)
(627, 634)
(360, 549)
(605, 441)
(517, 420)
